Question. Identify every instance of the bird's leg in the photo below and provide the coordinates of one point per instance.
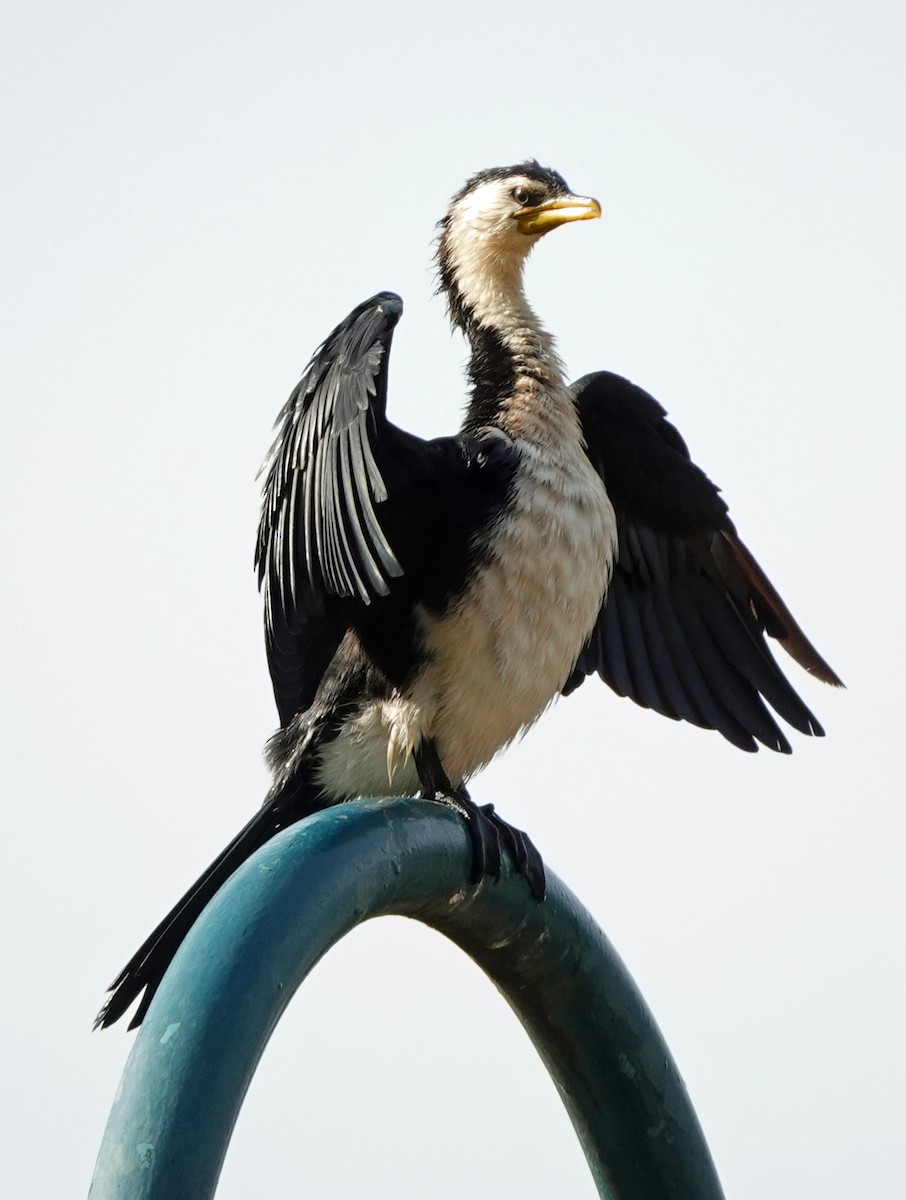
(490, 834)
(486, 849)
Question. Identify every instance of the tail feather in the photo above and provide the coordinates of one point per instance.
(148, 965)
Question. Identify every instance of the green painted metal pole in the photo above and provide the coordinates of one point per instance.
(201, 1040)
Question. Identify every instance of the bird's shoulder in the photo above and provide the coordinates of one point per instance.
(643, 459)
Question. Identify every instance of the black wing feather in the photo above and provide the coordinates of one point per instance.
(682, 628)
(324, 443)
(320, 540)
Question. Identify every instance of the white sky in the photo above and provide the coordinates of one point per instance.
(195, 193)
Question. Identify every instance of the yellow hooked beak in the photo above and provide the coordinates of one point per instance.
(542, 217)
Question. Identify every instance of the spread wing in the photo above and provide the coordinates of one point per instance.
(321, 549)
(682, 628)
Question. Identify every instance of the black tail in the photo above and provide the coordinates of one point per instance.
(147, 967)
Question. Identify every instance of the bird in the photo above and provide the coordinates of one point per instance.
(426, 600)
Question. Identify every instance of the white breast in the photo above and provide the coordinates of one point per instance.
(504, 654)
(498, 659)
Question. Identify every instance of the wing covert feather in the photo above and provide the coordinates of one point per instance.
(682, 628)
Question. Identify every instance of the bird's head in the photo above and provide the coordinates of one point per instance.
(489, 229)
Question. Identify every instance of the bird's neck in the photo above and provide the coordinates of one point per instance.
(515, 373)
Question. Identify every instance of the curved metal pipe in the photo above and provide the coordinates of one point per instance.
(227, 987)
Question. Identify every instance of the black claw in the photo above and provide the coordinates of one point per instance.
(485, 836)
(534, 871)
(490, 834)
(487, 850)
(526, 858)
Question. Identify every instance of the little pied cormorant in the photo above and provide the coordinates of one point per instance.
(425, 601)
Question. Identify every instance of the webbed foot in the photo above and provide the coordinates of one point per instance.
(490, 834)
(525, 854)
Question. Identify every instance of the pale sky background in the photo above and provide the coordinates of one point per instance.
(194, 194)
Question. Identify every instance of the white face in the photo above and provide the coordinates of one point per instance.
(487, 214)
(489, 232)
(486, 248)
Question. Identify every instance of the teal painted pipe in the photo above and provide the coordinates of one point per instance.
(201, 1040)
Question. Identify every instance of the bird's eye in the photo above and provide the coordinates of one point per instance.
(522, 196)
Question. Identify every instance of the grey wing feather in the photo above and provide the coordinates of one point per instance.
(320, 533)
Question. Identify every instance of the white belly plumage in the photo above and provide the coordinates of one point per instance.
(502, 654)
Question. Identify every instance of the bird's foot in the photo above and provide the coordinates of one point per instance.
(525, 854)
(491, 836)
(486, 842)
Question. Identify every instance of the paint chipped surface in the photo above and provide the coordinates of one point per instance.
(509, 937)
(170, 1032)
(626, 1067)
